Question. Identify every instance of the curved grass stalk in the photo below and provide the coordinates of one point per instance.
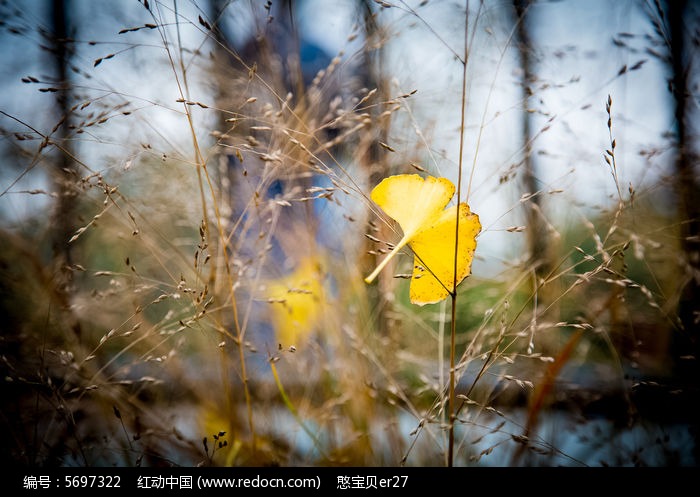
(288, 403)
(453, 322)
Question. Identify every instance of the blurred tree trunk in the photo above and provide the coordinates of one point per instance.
(375, 158)
(223, 70)
(538, 238)
(683, 20)
(65, 214)
(377, 165)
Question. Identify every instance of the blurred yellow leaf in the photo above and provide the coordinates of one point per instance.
(418, 205)
(297, 302)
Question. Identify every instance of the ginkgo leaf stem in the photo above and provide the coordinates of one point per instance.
(394, 251)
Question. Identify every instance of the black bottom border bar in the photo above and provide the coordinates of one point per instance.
(342, 480)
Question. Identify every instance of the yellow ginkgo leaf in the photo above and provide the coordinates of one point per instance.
(418, 205)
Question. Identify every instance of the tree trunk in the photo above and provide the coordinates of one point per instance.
(687, 340)
(65, 175)
(538, 239)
